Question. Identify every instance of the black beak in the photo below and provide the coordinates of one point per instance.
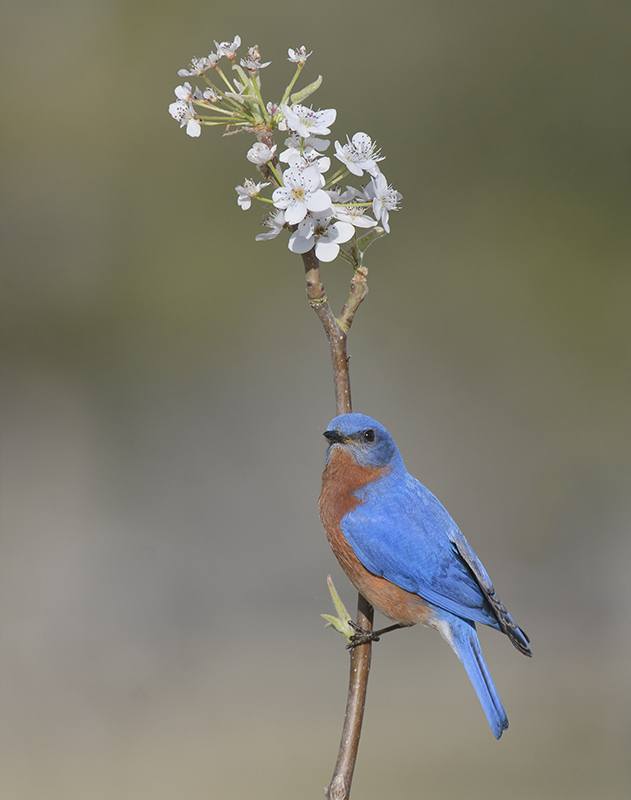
(335, 437)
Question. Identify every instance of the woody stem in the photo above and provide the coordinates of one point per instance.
(336, 332)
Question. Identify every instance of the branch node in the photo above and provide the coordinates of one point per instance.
(337, 790)
(317, 302)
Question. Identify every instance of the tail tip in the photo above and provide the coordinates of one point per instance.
(499, 728)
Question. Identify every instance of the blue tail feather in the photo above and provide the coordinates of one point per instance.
(465, 642)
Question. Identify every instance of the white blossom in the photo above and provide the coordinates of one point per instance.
(301, 193)
(184, 113)
(308, 122)
(228, 49)
(298, 56)
(359, 154)
(247, 192)
(253, 62)
(188, 94)
(199, 65)
(260, 153)
(297, 144)
(184, 92)
(319, 231)
(312, 159)
(338, 196)
(355, 215)
(207, 97)
(384, 199)
(276, 222)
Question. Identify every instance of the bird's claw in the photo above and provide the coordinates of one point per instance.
(360, 636)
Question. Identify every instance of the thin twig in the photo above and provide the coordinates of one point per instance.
(336, 336)
(336, 332)
(359, 290)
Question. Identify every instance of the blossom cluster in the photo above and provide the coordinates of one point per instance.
(318, 213)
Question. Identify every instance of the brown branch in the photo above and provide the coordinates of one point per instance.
(340, 786)
(336, 332)
(319, 302)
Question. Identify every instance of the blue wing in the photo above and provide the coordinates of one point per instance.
(402, 532)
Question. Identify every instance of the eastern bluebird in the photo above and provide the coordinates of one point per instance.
(405, 554)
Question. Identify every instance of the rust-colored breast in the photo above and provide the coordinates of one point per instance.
(341, 477)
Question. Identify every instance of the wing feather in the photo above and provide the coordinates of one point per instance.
(402, 532)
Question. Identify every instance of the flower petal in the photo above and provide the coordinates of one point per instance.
(295, 213)
(344, 231)
(327, 251)
(193, 128)
(298, 244)
(318, 201)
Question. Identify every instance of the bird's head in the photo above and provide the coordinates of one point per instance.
(364, 439)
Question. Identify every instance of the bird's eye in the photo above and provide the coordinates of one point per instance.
(369, 436)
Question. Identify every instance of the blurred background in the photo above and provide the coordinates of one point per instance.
(165, 387)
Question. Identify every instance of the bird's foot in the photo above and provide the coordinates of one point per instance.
(360, 636)
(365, 637)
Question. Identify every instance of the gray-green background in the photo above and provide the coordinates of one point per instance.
(166, 386)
